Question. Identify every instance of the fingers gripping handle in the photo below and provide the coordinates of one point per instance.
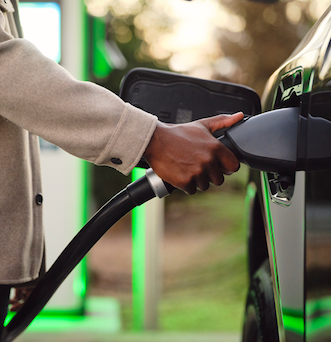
(162, 189)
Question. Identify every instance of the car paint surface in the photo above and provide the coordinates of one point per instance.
(298, 230)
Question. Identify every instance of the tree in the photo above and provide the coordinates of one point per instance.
(268, 39)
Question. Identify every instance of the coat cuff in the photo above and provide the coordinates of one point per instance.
(129, 140)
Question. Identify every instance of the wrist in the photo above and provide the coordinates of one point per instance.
(154, 146)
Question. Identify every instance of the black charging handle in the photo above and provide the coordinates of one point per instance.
(266, 142)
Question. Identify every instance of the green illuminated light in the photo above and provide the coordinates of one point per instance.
(318, 305)
(318, 325)
(80, 280)
(41, 22)
(103, 315)
(294, 322)
(138, 259)
(102, 65)
(318, 315)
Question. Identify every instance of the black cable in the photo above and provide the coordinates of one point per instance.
(135, 194)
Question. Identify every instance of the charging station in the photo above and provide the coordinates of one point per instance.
(60, 30)
(56, 28)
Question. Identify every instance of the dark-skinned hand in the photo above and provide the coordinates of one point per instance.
(188, 156)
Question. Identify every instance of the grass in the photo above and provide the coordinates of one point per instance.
(208, 294)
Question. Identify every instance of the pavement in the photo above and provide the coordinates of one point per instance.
(129, 337)
(102, 324)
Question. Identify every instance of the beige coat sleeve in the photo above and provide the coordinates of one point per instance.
(82, 118)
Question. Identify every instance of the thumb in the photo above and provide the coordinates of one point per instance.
(215, 123)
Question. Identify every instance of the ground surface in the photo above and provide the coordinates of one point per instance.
(129, 337)
(204, 262)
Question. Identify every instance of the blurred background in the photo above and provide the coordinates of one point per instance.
(204, 280)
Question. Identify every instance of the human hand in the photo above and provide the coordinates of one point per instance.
(188, 156)
(21, 295)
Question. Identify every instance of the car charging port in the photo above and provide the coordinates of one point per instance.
(281, 187)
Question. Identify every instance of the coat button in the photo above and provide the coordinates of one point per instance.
(116, 161)
(39, 199)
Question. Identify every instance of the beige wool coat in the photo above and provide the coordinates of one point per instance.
(39, 98)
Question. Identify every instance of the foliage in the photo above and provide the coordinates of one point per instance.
(268, 39)
(244, 43)
(240, 41)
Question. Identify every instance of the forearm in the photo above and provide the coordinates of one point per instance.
(84, 119)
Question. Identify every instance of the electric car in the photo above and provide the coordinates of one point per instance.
(289, 201)
(289, 244)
